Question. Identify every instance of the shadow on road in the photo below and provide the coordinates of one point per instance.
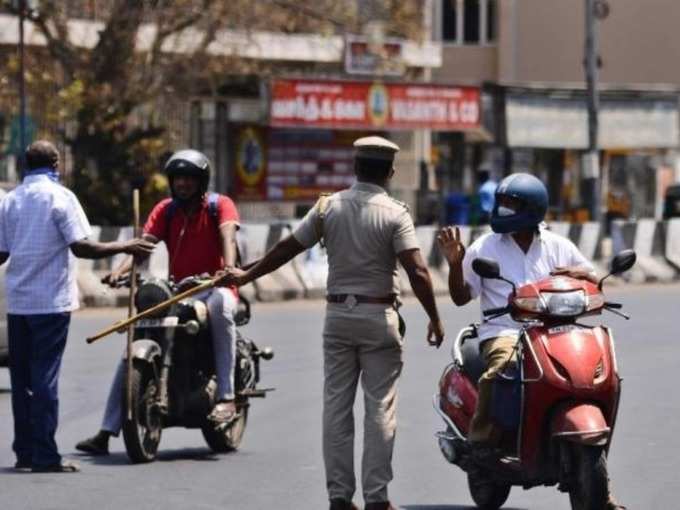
(446, 507)
(121, 458)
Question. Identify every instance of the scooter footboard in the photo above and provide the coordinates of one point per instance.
(581, 423)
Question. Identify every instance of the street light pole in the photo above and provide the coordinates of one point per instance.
(591, 159)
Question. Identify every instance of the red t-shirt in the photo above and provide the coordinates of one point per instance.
(194, 244)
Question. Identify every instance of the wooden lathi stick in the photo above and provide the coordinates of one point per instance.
(120, 326)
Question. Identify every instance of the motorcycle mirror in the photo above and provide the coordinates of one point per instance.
(623, 261)
(486, 268)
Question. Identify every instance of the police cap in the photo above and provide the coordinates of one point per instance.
(375, 147)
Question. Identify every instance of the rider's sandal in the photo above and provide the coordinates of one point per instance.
(224, 412)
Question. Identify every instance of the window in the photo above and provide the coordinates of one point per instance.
(468, 21)
(471, 21)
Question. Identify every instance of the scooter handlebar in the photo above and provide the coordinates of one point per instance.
(496, 311)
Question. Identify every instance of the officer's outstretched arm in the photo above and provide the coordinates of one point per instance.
(282, 252)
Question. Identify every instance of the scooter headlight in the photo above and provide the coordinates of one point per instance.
(595, 301)
(530, 304)
(565, 304)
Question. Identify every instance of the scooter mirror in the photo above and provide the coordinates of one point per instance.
(623, 261)
(486, 268)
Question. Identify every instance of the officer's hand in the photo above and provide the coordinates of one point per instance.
(231, 277)
(435, 329)
(139, 248)
(449, 243)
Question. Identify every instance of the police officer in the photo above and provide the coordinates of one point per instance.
(365, 232)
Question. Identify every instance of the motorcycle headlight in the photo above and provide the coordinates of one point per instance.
(565, 304)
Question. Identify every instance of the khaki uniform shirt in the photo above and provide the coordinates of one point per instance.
(364, 229)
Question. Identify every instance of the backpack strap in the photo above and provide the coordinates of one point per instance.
(170, 211)
(321, 208)
(213, 209)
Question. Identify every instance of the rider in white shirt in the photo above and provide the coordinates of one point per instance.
(525, 252)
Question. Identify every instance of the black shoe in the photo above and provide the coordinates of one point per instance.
(65, 466)
(95, 445)
(23, 465)
(342, 504)
(382, 505)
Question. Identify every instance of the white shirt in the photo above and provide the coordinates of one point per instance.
(547, 252)
(38, 221)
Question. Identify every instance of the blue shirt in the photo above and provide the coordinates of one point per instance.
(38, 221)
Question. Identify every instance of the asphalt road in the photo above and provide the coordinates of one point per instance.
(280, 466)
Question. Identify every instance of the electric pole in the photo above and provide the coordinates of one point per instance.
(591, 158)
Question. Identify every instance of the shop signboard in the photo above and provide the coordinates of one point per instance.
(377, 59)
(373, 105)
(283, 164)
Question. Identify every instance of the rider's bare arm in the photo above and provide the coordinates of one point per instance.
(228, 238)
(458, 289)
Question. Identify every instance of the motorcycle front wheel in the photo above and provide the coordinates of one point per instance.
(589, 489)
(226, 439)
(142, 434)
(487, 493)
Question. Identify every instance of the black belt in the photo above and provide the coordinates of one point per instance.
(341, 298)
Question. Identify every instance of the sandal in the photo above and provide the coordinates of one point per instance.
(65, 466)
(223, 412)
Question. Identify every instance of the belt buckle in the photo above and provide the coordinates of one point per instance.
(350, 301)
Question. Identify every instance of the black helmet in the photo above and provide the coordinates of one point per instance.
(533, 196)
(189, 162)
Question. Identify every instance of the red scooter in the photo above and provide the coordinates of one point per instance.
(557, 410)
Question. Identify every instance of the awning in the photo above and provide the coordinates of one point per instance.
(559, 120)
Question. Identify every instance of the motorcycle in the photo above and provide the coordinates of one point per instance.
(557, 409)
(173, 382)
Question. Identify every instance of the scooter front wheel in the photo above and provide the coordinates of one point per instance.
(488, 494)
(589, 490)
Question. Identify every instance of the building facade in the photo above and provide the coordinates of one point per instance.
(529, 54)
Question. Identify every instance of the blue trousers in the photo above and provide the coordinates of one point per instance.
(36, 346)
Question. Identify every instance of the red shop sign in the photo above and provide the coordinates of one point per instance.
(367, 105)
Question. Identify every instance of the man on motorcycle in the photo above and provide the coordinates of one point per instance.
(199, 230)
(525, 252)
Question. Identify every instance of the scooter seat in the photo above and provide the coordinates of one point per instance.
(473, 364)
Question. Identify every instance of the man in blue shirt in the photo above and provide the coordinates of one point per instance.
(42, 227)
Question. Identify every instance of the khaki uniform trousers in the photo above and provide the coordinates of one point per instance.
(497, 353)
(362, 342)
